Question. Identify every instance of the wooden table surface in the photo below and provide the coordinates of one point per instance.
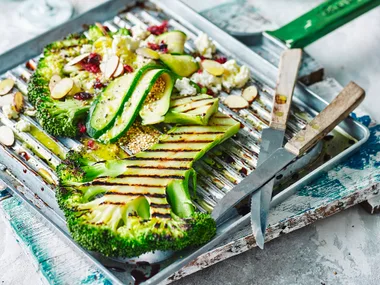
(343, 249)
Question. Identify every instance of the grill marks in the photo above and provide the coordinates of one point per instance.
(148, 173)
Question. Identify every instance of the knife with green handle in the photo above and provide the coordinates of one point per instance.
(272, 138)
(350, 97)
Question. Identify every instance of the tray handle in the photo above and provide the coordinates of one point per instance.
(288, 69)
(323, 19)
(347, 100)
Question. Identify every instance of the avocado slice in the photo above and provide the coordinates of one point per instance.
(182, 65)
(175, 41)
(195, 110)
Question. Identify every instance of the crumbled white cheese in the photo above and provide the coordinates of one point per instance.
(139, 32)
(184, 87)
(197, 59)
(23, 126)
(121, 44)
(10, 112)
(150, 39)
(30, 111)
(234, 75)
(204, 45)
(142, 61)
(208, 80)
(86, 49)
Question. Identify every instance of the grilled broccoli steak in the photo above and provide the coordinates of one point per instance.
(142, 203)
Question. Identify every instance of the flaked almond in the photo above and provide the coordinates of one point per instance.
(62, 88)
(148, 53)
(6, 85)
(119, 70)
(101, 27)
(18, 102)
(111, 66)
(236, 102)
(6, 100)
(249, 93)
(53, 81)
(7, 137)
(213, 67)
(77, 59)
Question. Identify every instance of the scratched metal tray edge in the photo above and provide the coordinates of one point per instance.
(347, 151)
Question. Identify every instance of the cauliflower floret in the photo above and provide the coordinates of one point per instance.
(23, 126)
(124, 44)
(234, 75)
(184, 87)
(10, 112)
(30, 111)
(204, 45)
(208, 80)
(139, 32)
(150, 39)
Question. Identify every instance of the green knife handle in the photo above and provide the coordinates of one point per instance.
(323, 19)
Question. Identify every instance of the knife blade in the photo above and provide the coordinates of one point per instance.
(272, 138)
(347, 100)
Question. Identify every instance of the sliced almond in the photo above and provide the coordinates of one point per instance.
(111, 66)
(6, 85)
(213, 67)
(236, 102)
(101, 27)
(53, 81)
(77, 59)
(249, 93)
(7, 136)
(148, 53)
(119, 70)
(18, 102)
(62, 88)
(6, 100)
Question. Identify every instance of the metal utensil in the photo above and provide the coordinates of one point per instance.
(272, 138)
(323, 123)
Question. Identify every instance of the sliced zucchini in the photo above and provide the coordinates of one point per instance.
(109, 104)
(182, 65)
(175, 41)
(191, 109)
(133, 104)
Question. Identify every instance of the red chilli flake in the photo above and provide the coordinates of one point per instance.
(153, 46)
(128, 68)
(221, 59)
(200, 71)
(91, 144)
(159, 29)
(98, 85)
(209, 92)
(82, 128)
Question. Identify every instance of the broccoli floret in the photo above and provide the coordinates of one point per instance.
(61, 118)
(110, 217)
(122, 32)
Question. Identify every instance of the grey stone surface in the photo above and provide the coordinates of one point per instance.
(343, 249)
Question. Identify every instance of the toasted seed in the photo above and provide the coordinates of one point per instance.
(148, 53)
(111, 66)
(7, 137)
(236, 102)
(6, 100)
(62, 88)
(119, 70)
(18, 102)
(6, 85)
(101, 27)
(213, 67)
(249, 93)
(53, 81)
(77, 59)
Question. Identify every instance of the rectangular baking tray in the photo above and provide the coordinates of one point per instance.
(23, 176)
